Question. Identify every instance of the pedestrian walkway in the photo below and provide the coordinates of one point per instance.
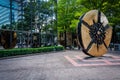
(76, 60)
(64, 65)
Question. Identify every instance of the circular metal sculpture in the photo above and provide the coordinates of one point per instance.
(94, 33)
(8, 39)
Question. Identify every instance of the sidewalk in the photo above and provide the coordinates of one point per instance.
(65, 65)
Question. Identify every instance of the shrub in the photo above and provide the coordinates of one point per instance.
(23, 51)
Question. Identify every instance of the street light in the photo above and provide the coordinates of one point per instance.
(51, 35)
(44, 38)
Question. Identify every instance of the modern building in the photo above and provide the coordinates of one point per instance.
(10, 11)
(29, 20)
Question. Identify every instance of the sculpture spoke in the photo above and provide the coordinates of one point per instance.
(89, 46)
(105, 44)
(106, 27)
(86, 24)
(93, 21)
(99, 17)
(97, 47)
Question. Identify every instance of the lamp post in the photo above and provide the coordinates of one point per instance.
(44, 38)
(39, 36)
(51, 35)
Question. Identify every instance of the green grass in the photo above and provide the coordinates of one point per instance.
(23, 51)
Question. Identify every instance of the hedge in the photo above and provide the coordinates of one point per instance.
(23, 51)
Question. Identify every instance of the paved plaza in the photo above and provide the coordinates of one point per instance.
(63, 65)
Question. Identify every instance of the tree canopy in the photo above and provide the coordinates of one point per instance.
(69, 12)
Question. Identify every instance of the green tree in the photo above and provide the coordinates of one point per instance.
(69, 12)
(109, 7)
(40, 10)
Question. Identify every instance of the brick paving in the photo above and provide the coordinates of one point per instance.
(58, 66)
